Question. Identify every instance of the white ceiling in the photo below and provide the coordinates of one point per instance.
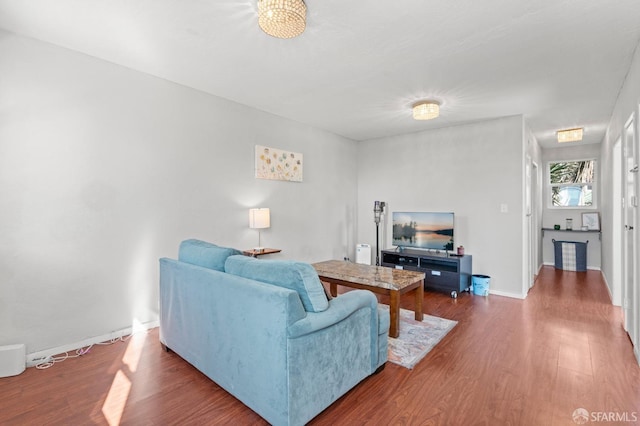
(360, 65)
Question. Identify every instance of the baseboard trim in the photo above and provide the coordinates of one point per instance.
(507, 294)
(35, 358)
(606, 283)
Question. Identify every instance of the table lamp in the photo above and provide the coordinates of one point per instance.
(259, 219)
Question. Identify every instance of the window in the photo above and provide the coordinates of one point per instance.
(571, 183)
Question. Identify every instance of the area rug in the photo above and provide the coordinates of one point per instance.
(416, 338)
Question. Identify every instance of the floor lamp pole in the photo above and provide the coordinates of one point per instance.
(377, 248)
(378, 209)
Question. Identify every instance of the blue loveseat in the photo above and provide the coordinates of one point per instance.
(265, 331)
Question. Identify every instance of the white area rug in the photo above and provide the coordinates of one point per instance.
(416, 338)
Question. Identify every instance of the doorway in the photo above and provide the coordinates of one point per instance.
(617, 225)
(534, 222)
(631, 301)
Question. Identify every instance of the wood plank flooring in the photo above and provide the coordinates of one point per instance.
(507, 362)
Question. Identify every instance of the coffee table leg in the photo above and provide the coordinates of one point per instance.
(333, 289)
(394, 311)
(418, 302)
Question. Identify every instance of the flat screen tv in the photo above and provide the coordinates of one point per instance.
(425, 230)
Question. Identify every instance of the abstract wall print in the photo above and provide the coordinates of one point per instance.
(591, 221)
(277, 164)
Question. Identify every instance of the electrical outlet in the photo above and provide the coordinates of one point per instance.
(504, 208)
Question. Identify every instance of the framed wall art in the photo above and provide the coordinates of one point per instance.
(277, 164)
(591, 221)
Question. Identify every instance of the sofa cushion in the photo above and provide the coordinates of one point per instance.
(298, 276)
(205, 254)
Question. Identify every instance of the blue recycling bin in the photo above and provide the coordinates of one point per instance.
(480, 284)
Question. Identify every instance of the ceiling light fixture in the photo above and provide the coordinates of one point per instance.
(426, 110)
(570, 135)
(282, 18)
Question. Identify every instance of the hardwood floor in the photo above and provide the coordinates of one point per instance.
(508, 361)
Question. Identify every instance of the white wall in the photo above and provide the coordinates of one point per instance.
(103, 170)
(626, 106)
(470, 170)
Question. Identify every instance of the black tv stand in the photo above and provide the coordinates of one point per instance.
(443, 271)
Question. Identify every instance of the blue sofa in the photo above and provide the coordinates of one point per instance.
(265, 331)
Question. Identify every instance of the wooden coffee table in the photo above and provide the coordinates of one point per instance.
(378, 279)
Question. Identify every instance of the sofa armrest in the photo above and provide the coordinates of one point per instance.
(339, 309)
(329, 352)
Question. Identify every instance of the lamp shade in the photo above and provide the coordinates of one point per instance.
(259, 218)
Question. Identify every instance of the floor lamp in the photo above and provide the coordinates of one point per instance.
(378, 209)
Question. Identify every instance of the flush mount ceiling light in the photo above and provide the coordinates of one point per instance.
(570, 135)
(282, 18)
(426, 110)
